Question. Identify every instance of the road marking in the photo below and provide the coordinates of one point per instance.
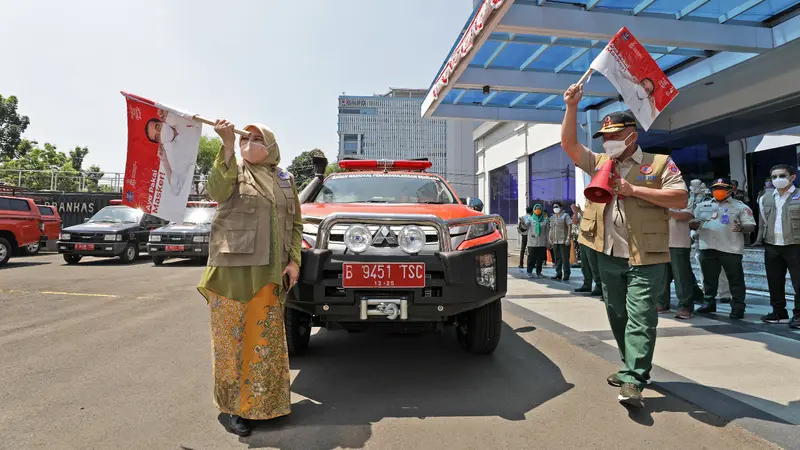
(74, 294)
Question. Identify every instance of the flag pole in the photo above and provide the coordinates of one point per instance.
(585, 76)
(202, 119)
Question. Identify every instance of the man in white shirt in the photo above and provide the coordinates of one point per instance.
(177, 159)
(780, 230)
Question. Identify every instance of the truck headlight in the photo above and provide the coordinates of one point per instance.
(411, 239)
(479, 230)
(110, 237)
(198, 239)
(65, 236)
(486, 271)
(357, 238)
(155, 238)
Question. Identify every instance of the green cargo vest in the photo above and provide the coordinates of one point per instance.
(790, 218)
(241, 230)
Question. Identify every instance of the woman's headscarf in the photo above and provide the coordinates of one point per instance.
(537, 220)
(264, 172)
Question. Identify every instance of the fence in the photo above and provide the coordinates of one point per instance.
(51, 180)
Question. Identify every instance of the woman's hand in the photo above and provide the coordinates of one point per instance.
(225, 131)
(293, 271)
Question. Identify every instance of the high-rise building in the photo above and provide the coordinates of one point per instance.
(390, 126)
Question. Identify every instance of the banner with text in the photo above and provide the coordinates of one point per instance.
(636, 75)
(162, 152)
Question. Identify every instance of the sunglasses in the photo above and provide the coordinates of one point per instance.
(780, 175)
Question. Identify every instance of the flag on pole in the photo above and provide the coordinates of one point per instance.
(630, 68)
(162, 152)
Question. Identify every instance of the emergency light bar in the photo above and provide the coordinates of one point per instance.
(384, 164)
(115, 202)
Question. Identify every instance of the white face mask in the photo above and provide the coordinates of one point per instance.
(253, 153)
(781, 183)
(167, 133)
(641, 93)
(556, 209)
(615, 148)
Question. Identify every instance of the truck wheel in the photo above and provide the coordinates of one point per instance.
(129, 254)
(72, 259)
(478, 331)
(298, 331)
(5, 251)
(158, 260)
(32, 249)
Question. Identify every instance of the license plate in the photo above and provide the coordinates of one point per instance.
(383, 275)
(174, 248)
(84, 246)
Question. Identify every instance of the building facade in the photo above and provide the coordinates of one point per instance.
(389, 126)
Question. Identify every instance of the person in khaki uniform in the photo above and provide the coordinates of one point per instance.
(559, 239)
(779, 230)
(631, 236)
(254, 258)
(722, 222)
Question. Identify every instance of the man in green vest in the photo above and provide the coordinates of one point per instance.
(631, 236)
(780, 232)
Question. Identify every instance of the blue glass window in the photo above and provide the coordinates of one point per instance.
(503, 192)
(551, 178)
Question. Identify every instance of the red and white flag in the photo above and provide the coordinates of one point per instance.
(162, 152)
(630, 68)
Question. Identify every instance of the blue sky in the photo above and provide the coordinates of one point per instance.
(283, 63)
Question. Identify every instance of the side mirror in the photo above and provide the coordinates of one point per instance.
(475, 203)
(320, 164)
(86, 220)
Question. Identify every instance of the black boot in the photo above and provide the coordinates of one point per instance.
(238, 425)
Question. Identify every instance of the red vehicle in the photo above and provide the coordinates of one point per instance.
(52, 229)
(20, 225)
(386, 244)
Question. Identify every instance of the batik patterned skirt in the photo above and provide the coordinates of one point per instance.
(251, 363)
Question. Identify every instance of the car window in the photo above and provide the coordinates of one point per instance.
(153, 221)
(14, 204)
(117, 214)
(384, 188)
(5, 204)
(45, 211)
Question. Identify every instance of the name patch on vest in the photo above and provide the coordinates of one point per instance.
(647, 178)
(284, 183)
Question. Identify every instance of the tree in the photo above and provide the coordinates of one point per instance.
(47, 168)
(12, 125)
(333, 168)
(76, 157)
(93, 176)
(302, 167)
(206, 154)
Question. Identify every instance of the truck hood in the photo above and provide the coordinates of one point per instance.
(184, 228)
(444, 212)
(99, 227)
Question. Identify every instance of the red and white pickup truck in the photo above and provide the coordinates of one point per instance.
(20, 225)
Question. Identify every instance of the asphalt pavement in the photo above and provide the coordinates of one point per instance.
(102, 355)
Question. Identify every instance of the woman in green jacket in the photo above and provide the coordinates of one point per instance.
(255, 242)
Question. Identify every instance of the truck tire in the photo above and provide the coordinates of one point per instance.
(72, 259)
(5, 251)
(130, 254)
(298, 331)
(158, 260)
(32, 249)
(478, 331)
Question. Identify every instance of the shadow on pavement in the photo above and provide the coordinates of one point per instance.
(15, 263)
(354, 380)
(112, 261)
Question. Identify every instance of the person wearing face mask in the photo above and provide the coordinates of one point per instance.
(537, 240)
(630, 235)
(254, 258)
(779, 229)
(560, 237)
(722, 222)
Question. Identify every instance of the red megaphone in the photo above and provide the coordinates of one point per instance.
(600, 190)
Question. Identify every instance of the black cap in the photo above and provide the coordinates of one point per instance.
(722, 183)
(616, 122)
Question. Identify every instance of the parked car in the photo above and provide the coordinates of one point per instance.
(52, 229)
(188, 239)
(386, 244)
(115, 231)
(20, 225)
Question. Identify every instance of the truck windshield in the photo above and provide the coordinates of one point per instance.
(384, 188)
(117, 214)
(196, 216)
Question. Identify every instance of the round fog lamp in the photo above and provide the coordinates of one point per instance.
(411, 239)
(357, 238)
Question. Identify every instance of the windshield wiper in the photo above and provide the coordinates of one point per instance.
(429, 202)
